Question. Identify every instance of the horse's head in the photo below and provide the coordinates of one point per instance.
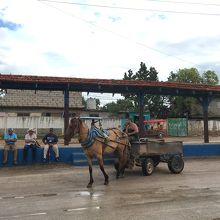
(72, 129)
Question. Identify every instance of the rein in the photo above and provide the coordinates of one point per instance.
(115, 141)
(103, 142)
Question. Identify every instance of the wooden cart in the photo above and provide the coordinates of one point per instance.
(149, 153)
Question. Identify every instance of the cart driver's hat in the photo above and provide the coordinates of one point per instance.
(30, 130)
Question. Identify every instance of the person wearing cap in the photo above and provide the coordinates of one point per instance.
(30, 143)
(10, 143)
(50, 140)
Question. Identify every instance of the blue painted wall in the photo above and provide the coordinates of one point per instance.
(200, 150)
(75, 155)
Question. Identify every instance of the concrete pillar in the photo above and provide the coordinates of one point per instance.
(66, 111)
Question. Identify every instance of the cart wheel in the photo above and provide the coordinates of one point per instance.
(176, 164)
(147, 167)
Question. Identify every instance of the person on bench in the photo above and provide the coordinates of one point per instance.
(50, 140)
(30, 143)
(10, 143)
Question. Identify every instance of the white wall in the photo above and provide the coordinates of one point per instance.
(46, 122)
(195, 127)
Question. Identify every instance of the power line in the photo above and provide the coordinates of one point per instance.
(186, 3)
(134, 9)
(119, 35)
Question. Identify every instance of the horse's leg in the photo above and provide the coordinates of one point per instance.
(101, 165)
(120, 165)
(122, 155)
(89, 159)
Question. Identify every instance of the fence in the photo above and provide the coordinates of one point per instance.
(41, 124)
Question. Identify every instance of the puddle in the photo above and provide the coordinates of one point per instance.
(84, 193)
(91, 194)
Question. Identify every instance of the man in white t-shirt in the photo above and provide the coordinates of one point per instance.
(30, 143)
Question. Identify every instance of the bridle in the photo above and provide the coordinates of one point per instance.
(76, 127)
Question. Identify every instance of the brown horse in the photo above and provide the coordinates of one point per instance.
(98, 145)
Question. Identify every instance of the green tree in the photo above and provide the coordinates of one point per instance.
(119, 106)
(180, 106)
(153, 103)
(186, 75)
(97, 103)
(210, 77)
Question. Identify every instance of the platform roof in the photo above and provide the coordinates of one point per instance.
(28, 82)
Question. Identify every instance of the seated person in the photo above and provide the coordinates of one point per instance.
(131, 129)
(30, 143)
(10, 143)
(93, 126)
(50, 140)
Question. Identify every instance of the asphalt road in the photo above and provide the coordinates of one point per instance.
(59, 192)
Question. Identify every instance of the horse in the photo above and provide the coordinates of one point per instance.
(94, 143)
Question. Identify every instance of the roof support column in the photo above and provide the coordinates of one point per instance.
(66, 111)
(205, 100)
(141, 113)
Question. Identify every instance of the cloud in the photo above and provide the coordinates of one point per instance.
(91, 42)
(156, 16)
(214, 66)
(114, 19)
(9, 25)
(195, 46)
(55, 59)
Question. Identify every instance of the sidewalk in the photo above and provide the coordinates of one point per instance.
(74, 142)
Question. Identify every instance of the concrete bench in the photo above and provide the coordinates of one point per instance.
(75, 155)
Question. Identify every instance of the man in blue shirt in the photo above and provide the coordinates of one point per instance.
(51, 140)
(10, 143)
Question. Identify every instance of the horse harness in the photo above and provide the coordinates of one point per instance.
(95, 134)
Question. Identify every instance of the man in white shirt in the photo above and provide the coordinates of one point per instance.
(30, 143)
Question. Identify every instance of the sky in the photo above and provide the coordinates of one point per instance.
(103, 39)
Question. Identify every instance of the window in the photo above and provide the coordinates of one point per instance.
(22, 114)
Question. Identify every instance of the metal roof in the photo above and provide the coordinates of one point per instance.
(28, 82)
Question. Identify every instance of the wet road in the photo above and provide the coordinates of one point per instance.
(59, 192)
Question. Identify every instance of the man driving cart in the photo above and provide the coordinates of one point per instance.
(132, 130)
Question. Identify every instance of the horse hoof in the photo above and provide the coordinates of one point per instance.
(89, 185)
(122, 175)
